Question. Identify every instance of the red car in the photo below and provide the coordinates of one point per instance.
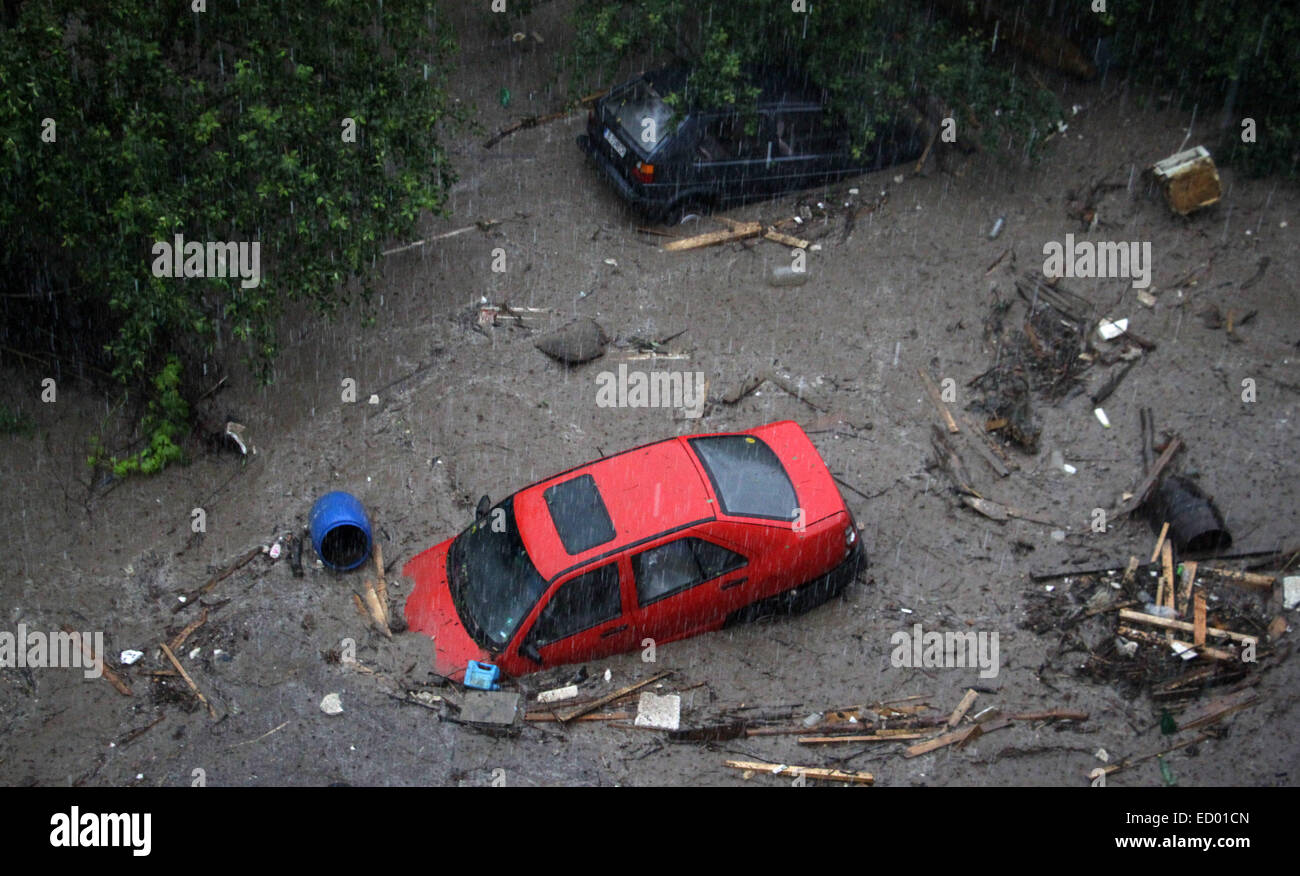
(663, 542)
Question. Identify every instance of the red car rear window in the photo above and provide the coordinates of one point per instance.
(747, 476)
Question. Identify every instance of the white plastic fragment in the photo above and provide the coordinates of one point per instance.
(332, 704)
(1291, 591)
(1102, 418)
(130, 656)
(558, 694)
(1109, 331)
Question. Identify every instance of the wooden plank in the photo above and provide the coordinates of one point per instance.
(829, 775)
(961, 736)
(933, 391)
(882, 736)
(1050, 715)
(984, 447)
(962, 708)
(1134, 761)
(1189, 578)
(1167, 573)
(178, 641)
(712, 238)
(185, 675)
(1171, 624)
(381, 586)
(609, 698)
(777, 237)
(1218, 709)
(88, 652)
(1198, 621)
(1160, 542)
(1140, 494)
(1169, 643)
(1253, 580)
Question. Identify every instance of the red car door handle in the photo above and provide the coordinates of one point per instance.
(727, 585)
(613, 632)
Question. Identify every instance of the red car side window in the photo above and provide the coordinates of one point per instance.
(677, 565)
(580, 604)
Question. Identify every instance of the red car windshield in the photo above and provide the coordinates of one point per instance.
(493, 581)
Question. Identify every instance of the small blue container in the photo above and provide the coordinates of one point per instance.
(340, 531)
(482, 675)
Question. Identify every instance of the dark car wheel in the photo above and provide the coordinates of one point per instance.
(687, 209)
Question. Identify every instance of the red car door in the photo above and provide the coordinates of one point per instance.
(583, 619)
(686, 584)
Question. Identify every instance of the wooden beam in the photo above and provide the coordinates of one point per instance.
(777, 237)
(956, 737)
(830, 775)
(1155, 639)
(1253, 580)
(882, 736)
(1160, 542)
(712, 238)
(1171, 624)
(937, 398)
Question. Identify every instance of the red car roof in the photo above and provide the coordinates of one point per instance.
(646, 490)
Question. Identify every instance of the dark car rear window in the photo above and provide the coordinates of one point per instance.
(642, 115)
(747, 476)
(579, 514)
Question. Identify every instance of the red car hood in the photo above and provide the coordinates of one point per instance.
(429, 610)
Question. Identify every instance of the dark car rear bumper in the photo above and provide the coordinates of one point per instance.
(625, 189)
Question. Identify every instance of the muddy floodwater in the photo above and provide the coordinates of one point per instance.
(463, 409)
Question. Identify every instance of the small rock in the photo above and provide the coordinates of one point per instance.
(331, 704)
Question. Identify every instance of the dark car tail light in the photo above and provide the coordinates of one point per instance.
(643, 172)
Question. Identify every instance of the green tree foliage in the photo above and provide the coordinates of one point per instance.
(875, 58)
(221, 125)
(1230, 61)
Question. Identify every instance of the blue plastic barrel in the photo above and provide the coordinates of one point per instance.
(340, 531)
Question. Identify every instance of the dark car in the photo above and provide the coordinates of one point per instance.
(668, 164)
